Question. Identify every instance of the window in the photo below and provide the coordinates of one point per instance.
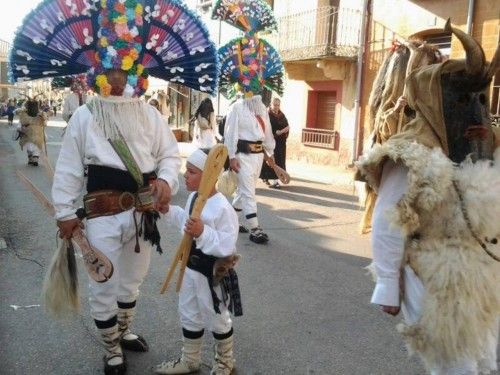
(321, 118)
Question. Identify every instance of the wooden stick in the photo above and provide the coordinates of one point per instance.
(283, 175)
(97, 264)
(173, 266)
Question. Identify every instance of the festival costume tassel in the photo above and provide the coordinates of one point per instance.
(60, 286)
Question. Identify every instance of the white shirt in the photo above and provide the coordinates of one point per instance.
(70, 105)
(242, 124)
(204, 132)
(387, 241)
(220, 231)
(154, 149)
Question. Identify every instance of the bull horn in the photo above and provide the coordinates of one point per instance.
(475, 59)
(495, 63)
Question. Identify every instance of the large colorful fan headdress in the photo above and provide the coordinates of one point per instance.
(162, 38)
(248, 64)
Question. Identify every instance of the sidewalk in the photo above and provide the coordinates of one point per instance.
(299, 170)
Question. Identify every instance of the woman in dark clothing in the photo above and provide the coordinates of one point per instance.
(280, 127)
(11, 108)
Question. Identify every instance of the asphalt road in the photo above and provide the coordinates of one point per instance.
(305, 294)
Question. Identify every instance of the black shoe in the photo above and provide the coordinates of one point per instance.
(275, 186)
(243, 229)
(258, 236)
(120, 369)
(136, 345)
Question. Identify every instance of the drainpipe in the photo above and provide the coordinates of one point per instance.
(359, 73)
(470, 16)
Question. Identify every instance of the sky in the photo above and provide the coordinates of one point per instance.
(12, 15)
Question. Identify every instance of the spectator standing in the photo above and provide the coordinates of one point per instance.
(281, 129)
(11, 108)
(204, 125)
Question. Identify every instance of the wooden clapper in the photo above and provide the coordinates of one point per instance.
(213, 167)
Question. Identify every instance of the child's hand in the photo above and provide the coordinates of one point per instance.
(194, 227)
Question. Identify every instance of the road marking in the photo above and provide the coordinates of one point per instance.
(3, 244)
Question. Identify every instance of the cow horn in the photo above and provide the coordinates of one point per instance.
(475, 59)
(495, 63)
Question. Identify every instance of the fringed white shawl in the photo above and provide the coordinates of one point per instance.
(117, 115)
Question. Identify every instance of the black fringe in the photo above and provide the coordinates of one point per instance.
(150, 229)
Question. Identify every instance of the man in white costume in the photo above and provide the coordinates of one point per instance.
(201, 302)
(247, 135)
(248, 65)
(115, 232)
(73, 100)
(130, 152)
(435, 222)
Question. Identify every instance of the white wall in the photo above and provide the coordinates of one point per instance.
(294, 105)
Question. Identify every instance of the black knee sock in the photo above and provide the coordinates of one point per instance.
(193, 335)
(223, 336)
(103, 324)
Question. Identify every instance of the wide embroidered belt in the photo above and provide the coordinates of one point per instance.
(112, 202)
(248, 147)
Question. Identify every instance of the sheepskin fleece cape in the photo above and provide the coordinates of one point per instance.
(462, 283)
(34, 129)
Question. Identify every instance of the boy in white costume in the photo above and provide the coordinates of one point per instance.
(201, 303)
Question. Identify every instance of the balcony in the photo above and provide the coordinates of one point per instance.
(4, 50)
(204, 5)
(322, 32)
(321, 138)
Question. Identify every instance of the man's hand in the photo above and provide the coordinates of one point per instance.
(194, 227)
(162, 194)
(391, 310)
(270, 161)
(476, 132)
(401, 103)
(67, 227)
(234, 164)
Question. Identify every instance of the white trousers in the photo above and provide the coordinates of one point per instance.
(250, 166)
(414, 294)
(115, 237)
(196, 308)
(32, 149)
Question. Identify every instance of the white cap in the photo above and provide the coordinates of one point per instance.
(198, 159)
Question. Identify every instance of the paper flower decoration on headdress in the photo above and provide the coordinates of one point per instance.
(119, 45)
(160, 37)
(248, 64)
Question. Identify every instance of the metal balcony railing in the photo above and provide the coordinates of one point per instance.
(323, 138)
(4, 49)
(322, 32)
